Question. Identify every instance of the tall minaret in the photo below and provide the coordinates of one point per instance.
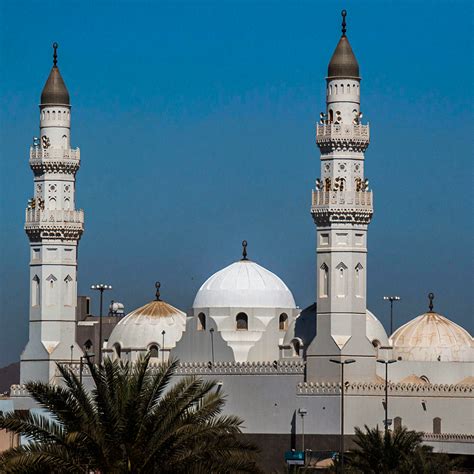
(54, 227)
(341, 209)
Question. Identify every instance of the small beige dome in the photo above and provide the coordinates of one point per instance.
(144, 326)
(432, 337)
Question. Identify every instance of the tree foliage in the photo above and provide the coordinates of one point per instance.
(135, 419)
(397, 452)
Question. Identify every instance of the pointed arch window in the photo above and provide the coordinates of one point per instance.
(437, 425)
(359, 281)
(297, 345)
(201, 322)
(35, 291)
(68, 291)
(323, 281)
(341, 280)
(242, 322)
(283, 322)
(51, 290)
(397, 423)
(117, 350)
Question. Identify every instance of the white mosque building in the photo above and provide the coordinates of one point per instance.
(271, 357)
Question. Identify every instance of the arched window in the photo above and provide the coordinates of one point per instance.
(397, 423)
(153, 349)
(242, 322)
(342, 88)
(283, 322)
(118, 350)
(359, 280)
(323, 281)
(376, 343)
(35, 291)
(437, 425)
(68, 291)
(335, 88)
(331, 116)
(341, 280)
(296, 344)
(201, 322)
(88, 345)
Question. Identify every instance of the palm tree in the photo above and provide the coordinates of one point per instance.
(397, 452)
(136, 419)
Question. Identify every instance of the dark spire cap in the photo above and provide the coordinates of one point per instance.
(55, 91)
(343, 62)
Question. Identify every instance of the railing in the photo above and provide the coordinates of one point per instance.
(343, 198)
(342, 131)
(37, 216)
(55, 154)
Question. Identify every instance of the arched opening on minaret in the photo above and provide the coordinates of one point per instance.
(323, 281)
(35, 291)
(331, 115)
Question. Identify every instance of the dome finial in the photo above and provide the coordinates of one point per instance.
(344, 13)
(431, 298)
(55, 54)
(244, 250)
(157, 294)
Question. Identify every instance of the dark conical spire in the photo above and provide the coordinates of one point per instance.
(343, 62)
(55, 91)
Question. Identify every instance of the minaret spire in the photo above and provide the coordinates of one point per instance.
(55, 54)
(342, 210)
(344, 13)
(54, 227)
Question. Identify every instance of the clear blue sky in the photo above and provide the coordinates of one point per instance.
(196, 127)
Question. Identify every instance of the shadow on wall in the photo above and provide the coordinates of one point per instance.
(305, 326)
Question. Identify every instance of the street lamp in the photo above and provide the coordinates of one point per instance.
(302, 412)
(100, 287)
(391, 299)
(342, 363)
(86, 356)
(163, 347)
(212, 344)
(386, 362)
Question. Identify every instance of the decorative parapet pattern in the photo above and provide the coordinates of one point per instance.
(342, 206)
(54, 160)
(54, 224)
(241, 368)
(400, 389)
(457, 437)
(342, 137)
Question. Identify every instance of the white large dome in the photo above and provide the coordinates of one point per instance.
(375, 330)
(244, 284)
(432, 337)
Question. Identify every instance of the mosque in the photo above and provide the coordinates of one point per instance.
(276, 362)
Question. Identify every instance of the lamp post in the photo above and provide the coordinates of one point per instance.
(163, 347)
(212, 344)
(391, 299)
(342, 363)
(86, 356)
(100, 287)
(386, 362)
(302, 412)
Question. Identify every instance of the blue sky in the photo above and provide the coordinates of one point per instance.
(196, 127)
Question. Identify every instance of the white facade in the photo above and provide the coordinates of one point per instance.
(54, 227)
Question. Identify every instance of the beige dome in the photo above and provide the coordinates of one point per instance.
(144, 326)
(432, 337)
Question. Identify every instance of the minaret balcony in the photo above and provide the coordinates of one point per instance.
(342, 137)
(54, 160)
(57, 223)
(342, 206)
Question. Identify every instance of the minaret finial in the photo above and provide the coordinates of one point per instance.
(431, 298)
(157, 294)
(244, 250)
(55, 54)
(344, 13)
